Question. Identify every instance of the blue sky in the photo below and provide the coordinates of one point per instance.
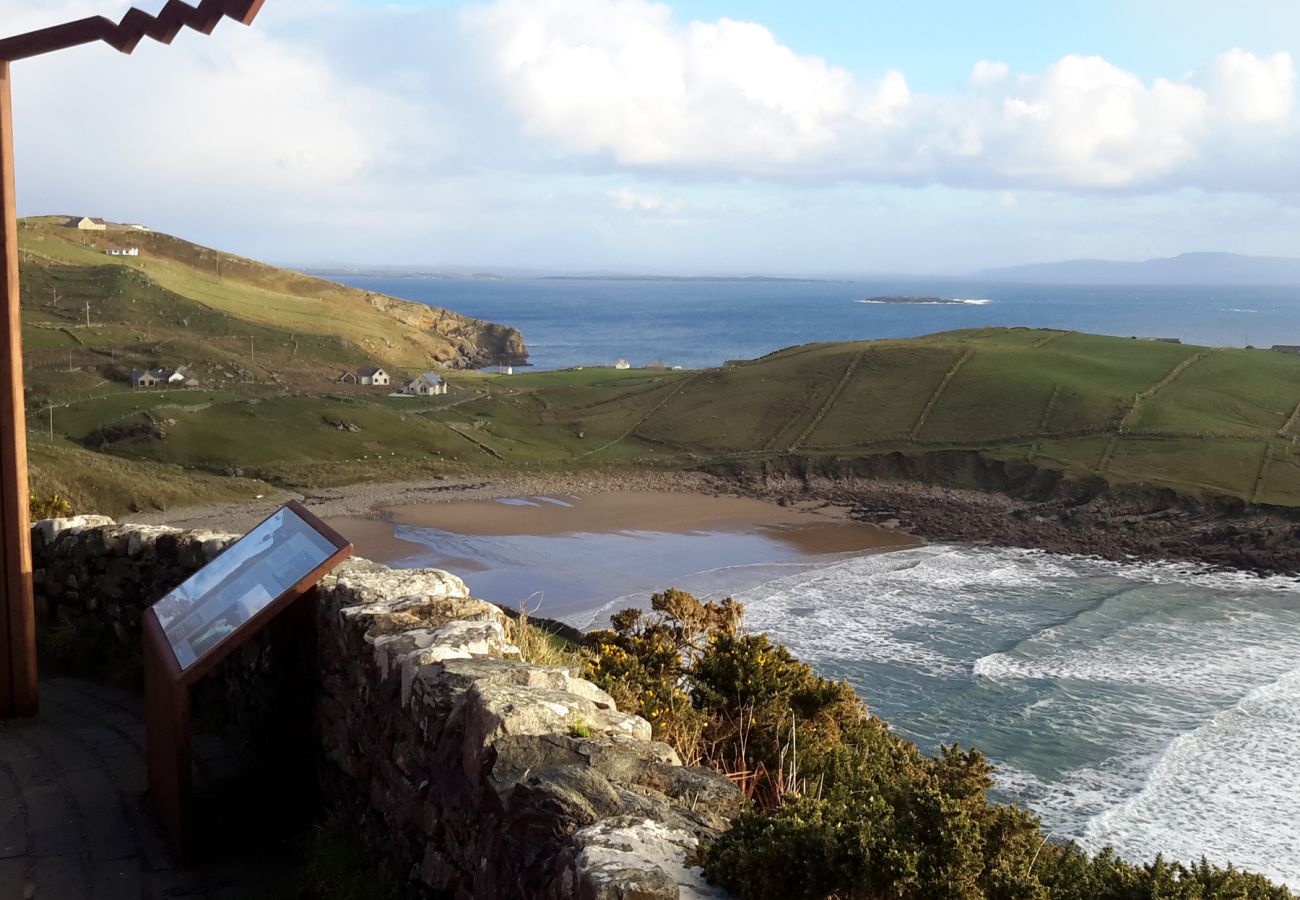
(693, 136)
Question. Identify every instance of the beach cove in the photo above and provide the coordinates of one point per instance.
(1147, 705)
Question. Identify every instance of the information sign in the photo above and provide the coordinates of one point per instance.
(240, 583)
(207, 618)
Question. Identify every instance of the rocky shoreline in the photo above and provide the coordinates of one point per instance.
(1120, 524)
(1054, 515)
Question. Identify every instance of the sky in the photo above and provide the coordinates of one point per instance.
(826, 137)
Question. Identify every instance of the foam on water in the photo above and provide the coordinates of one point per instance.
(1229, 790)
(1155, 707)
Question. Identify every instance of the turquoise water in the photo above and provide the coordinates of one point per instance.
(1154, 708)
(700, 324)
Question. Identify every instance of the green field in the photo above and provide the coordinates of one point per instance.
(1201, 422)
(267, 345)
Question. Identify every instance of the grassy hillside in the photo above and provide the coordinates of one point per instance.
(1210, 422)
(181, 293)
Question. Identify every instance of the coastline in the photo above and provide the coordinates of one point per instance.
(1119, 524)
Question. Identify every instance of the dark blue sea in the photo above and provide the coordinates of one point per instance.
(696, 324)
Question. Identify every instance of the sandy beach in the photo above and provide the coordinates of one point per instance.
(576, 544)
(679, 503)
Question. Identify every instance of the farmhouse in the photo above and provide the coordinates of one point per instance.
(622, 364)
(426, 385)
(181, 376)
(122, 251)
(373, 375)
(85, 223)
(146, 379)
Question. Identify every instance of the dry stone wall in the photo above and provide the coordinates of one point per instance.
(474, 773)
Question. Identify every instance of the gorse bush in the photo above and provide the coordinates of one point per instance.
(842, 807)
(55, 506)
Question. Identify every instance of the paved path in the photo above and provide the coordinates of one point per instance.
(73, 820)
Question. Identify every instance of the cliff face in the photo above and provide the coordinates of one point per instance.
(471, 342)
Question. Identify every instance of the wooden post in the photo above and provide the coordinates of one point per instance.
(17, 612)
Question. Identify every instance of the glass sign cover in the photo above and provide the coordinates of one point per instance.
(248, 577)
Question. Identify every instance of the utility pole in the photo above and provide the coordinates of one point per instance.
(51, 421)
(252, 356)
(87, 313)
(18, 686)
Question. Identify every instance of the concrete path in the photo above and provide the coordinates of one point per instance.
(74, 824)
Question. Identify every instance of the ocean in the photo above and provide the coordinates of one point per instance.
(696, 324)
(1153, 708)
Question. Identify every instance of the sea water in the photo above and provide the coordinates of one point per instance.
(1152, 708)
(698, 324)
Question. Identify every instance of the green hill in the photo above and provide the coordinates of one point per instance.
(1199, 421)
(178, 303)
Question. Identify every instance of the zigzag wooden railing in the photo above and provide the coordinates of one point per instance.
(135, 26)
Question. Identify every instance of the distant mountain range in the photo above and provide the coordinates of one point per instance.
(1187, 268)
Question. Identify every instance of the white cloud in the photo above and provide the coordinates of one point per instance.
(1246, 89)
(621, 80)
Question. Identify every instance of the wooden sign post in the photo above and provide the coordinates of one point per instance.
(218, 610)
(17, 612)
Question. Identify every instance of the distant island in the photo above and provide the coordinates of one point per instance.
(723, 279)
(926, 301)
(1187, 268)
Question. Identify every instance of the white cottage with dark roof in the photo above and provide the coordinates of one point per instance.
(427, 385)
(373, 375)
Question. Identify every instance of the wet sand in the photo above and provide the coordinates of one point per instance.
(811, 528)
(577, 545)
(574, 555)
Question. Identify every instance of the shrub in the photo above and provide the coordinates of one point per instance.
(843, 807)
(55, 506)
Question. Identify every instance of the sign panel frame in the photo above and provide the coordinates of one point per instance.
(168, 682)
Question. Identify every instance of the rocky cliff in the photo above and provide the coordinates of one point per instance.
(474, 342)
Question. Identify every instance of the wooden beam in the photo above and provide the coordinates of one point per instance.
(15, 532)
(135, 26)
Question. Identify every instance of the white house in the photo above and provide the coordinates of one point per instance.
(181, 376)
(373, 375)
(86, 223)
(622, 364)
(122, 251)
(426, 385)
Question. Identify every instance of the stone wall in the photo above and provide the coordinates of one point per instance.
(473, 772)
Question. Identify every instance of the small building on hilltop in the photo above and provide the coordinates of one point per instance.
(86, 223)
(427, 385)
(122, 251)
(373, 376)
